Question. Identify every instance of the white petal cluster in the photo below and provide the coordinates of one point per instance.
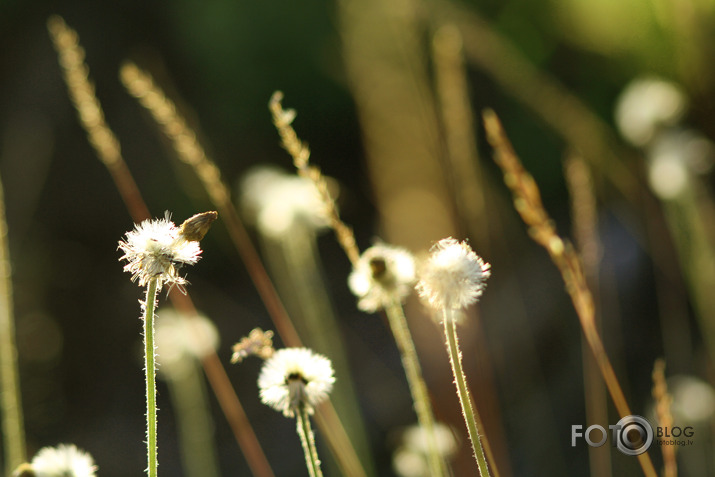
(293, 378)
(453, 277)
(156, 249)
(278, 201)
(384, 275)
(65, 460)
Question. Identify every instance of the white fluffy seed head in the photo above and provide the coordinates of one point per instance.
(293, 378)
(156, 249)
(383, 275)
(65, 460)
(453, 276)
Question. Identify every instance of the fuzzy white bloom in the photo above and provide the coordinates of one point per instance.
(409, 463)
(383, 275)
(411, 458)
(415, 438)
(182, 340)
(674, 157)
(156, 249)
(453, 276)
(65, 460)
(647, 104)
(693, 400)
(293, 378)
(278, 201)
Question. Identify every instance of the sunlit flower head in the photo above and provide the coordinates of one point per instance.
(293, 378)
(383, 275)
(646, 105)
(65, 460)
(278, 201)
(453, 277)
(157, 249)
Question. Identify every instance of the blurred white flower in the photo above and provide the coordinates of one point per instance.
(181, 340)
(293, 378)
(410, 459)
(156, 249)
(278, 201)
(673, 157)
(647, 104)
(453, 276)
(693, 400)
(409, 463)
(65, 460)
(383, 275)
(415, 438)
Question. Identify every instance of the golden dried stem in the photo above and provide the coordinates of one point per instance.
(89, 110)
(458, 122)
(560, 109)
(663, 401)
(300, 153)
(584, 213)
(141, 85)
(527, 202)
(13, 423)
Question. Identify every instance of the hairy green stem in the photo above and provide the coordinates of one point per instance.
(307, 439)
(471, 417)
(416, 382)
(150, 369)
(13, 429)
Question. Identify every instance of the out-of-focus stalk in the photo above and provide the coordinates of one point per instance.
(12, 421)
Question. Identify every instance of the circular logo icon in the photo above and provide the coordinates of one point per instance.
(634, 435)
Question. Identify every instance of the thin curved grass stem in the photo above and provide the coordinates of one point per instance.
(150, 370)
(471, 418)
(307, 440)
(415, 380)
(13, 428)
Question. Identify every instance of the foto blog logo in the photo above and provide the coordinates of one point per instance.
(632, 435)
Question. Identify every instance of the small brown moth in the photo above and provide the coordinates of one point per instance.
(194, 228)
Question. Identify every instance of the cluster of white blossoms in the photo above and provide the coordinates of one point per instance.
(65, 460)
(294, 379)
(158, 248)
(453, 277)
(383, 275)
